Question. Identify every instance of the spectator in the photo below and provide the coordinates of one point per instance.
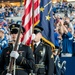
(3, 40)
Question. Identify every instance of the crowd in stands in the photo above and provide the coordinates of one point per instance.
(10, 11)
(64, 26)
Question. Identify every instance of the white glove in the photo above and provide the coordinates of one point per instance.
(33, 36)
(14, 54)
(8, 74)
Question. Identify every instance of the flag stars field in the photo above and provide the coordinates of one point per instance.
(48, 17)
(42, 9)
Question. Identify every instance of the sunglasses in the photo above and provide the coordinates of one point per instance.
(14, 32)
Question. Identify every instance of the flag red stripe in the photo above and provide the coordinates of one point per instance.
(23, 19)
(36, 4)
(28, 41)
(27, 26)
(27, 11)
(27, 19)
(36, 18)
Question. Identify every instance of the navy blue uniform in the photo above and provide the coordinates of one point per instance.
(24, 63)
(47, 60)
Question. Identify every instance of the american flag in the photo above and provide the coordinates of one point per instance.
(27, 19)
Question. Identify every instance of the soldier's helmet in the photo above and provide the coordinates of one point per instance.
(15, 27)
(37, 29)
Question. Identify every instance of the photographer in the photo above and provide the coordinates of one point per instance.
(66, 33)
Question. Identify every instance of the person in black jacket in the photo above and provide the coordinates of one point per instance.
(44, 62)
(24, 55)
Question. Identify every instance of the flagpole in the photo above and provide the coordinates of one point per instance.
(32, 28)
(33, 13)
(32, 23)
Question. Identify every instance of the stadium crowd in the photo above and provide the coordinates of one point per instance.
(64, 22)
(64, 27)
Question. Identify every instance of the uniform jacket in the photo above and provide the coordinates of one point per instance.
(25, 61)
(48, 59)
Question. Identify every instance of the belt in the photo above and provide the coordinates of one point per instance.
(19, 67)
(39, 66)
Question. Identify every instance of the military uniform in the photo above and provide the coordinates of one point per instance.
(24, 63)
(23, 55)
(44, 62)
(47, 60)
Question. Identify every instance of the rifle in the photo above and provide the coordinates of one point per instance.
(12, 60)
